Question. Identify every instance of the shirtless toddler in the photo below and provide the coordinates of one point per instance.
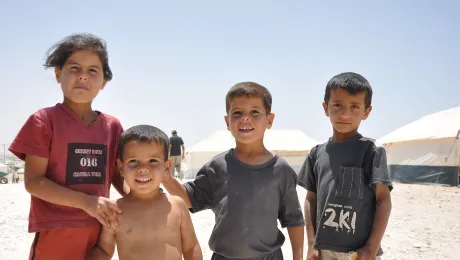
(152, 225)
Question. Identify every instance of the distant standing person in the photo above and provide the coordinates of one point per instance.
(177, 153)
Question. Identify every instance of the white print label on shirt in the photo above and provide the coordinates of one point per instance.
(86, 163)
(342, 218)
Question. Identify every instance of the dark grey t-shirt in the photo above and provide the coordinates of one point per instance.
(176, 142)
(344, 176)
(247, 201)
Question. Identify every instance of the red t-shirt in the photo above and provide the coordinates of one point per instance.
(81, 157)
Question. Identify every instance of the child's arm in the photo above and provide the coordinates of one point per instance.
(197, 194)
(381, 182)
(105, 247)
(296, 237)
(382, 214)
(307, 179)
(290, 212)
(310, 222)
(41, 187)
(190, 247)
(119, 184)
(174, 187)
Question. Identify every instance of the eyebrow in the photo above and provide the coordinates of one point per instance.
(354, 102)
(258, 107)
(70, 62)
(156, 157)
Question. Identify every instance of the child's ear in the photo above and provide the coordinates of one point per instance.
(367, 112)
(103, 84)
(168, 164)
(120, 167)
(271, 118)
(325, 109)
(227, 122)
(57, 71)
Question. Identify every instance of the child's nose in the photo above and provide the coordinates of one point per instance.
(143, 168)
(83, 76)
(245, 118)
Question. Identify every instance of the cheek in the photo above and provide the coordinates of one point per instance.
(97, 81)
(66, 80)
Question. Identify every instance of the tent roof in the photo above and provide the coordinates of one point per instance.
(275, 140)
(443, 124)
(3, 167)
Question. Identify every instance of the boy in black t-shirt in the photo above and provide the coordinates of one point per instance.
(248, 188)
(348, 200)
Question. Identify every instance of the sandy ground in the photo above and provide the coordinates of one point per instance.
(424, 224)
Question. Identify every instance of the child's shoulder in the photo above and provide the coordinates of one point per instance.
(371, 145)
(175, 201)
(45, 113)
(110, 118)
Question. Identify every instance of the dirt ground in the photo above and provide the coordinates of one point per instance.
(424, 223)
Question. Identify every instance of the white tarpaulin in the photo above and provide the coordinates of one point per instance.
(443, 124)
(292, 145)
(3, 168)
(426, 150)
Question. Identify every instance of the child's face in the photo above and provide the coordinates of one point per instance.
(345, 110)
(247, 119)
(81, 77)
(143, 166)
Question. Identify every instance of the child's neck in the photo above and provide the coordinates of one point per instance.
(341, 137)
(146, 196)
(253, 154)
(82, 111)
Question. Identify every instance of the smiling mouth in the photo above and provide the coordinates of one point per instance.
(245, 129)
(143, 180)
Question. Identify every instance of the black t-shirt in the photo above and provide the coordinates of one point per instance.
(344, 175)
(175, 142)
(247, 201)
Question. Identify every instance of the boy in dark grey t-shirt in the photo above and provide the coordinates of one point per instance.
(248, 188)
(348, 200)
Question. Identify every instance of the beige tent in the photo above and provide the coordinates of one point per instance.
(426, 150)
(292, 145)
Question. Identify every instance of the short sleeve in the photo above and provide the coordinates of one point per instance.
(290, 213)
(380, 172)
(307, 176)
(181, 141)
(118, 136)
(201, 190)
(34, 138)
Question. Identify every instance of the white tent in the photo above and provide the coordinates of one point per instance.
(292, 145)
(3, 168)
(426, 150)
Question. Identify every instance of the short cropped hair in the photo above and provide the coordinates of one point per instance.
(143, 133)
(249, 89)
(353, 83)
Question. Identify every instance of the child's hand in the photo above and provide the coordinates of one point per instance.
(313, 254)
(366, 253)
(104, 209)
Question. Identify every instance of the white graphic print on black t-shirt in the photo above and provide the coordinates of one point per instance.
(86, 163)
(343, 175)
(340, 214)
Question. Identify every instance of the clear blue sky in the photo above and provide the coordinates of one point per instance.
(173, 62)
